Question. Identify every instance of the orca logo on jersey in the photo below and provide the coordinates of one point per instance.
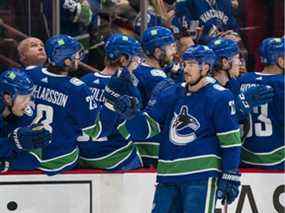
(183, 127)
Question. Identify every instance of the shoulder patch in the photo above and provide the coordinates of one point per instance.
(158, 73)
(76, 81)
(219, 87)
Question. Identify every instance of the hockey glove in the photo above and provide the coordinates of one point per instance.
(228, 186)
(122, 83)
(126, 106)
(31, 137)
(254, 96)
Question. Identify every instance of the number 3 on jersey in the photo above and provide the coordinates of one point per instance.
(44, 116)
(264, 127)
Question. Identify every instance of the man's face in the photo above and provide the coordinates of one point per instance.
(20, 104)
(191, 71)
(32, 52)
(170, 52)
(134, 62)
(235, 69)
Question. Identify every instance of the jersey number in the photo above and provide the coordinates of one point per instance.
(44, 116)
(264, 127)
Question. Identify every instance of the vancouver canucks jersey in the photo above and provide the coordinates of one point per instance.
(209, 12)
(18, 159)
(264, 144)
(65, 106)
(148, 77)
(200, 134)
(8, 125)
(110, 152)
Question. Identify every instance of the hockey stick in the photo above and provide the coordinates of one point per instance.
(12, 30)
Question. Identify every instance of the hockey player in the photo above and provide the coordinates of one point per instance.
(64, 104)
(264, 144)
(226, 72)
(227, 67)
(32, 53)
(159, 45)
(199, 152)
(17, 135)
(112, 152)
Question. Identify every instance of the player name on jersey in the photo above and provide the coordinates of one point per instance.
(245, 87)
(50, 95)
(98, 94)
(209, 14)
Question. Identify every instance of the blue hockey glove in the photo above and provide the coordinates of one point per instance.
(228, 186)
(31, 137)
(126, 106)
(122, 83)
(254, 96)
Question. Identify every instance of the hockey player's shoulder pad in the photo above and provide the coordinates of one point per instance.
(157, 73)
(170, 95)
(76, 82)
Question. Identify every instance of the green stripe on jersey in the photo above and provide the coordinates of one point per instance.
(148, 149)
(229, 139)
(191, 165)
(153, 126)
(266, 158)
(109, 161)
(95, 130)
(123, 130)
(57, 163)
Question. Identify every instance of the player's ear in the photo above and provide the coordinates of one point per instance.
(224, 63)
(281, 62)
(67, 62)
(157, 52)
(7, 99)
(206, 69)
(23, 58)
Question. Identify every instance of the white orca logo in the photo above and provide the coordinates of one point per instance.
(183, 127)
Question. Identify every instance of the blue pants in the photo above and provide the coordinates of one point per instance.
(197, 196)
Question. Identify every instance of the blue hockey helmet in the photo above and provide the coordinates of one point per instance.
(61, 47)
(224, 48)
(201, 54)
(156, 37)
(119, 44)
(15, 82)
(270, 49)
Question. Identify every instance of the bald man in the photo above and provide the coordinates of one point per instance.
(32, 52)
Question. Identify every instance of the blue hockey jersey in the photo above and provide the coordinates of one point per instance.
(112, 152)
(65, 106)
(200, 133)
(148, 77)
(210, 13)
(264, 145)
(18, 159)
